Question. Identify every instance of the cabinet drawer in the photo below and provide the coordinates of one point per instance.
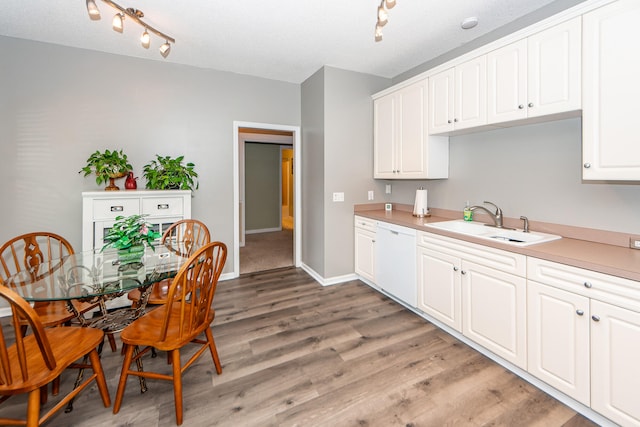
(614, 290)
(111, 208)
(162, 206)
(364, 223)
(508, 262)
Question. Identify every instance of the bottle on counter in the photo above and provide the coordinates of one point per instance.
(467, 213)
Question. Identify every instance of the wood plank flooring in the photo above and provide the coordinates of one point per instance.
(295, 353)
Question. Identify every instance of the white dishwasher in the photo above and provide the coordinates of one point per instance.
(396, 261)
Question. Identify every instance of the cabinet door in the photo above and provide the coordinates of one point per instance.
(615, 371)
(365, 254)
(507, 83)
(554, 69)
(558, 339)
(384, 135)
(494, 311)
(441, 112)
(412, 135)
(611, 89)
(471, 93)
(439, 287)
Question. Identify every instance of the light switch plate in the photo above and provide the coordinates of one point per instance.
(370, 195)
(338, 197)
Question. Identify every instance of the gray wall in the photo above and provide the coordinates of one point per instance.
(262, 186)
(533, 170)
(59, 104)
(313, 159)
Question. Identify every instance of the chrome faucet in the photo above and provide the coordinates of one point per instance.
(496, 217)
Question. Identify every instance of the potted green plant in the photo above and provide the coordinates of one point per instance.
(108, 165)
(129, 235)
(167, 173)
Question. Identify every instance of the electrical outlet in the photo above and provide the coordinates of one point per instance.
(338, 197)
(634, 243)
(370, 195)
(387, 189)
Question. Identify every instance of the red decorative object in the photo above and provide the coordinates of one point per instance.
(130, 183)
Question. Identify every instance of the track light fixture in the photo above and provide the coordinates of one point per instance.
(136, 16)
(383, 17)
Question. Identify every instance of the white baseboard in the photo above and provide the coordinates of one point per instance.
(263, 230)
(330, 281)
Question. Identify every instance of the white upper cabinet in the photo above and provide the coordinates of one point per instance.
(402, 147)
(611, 90)
(458, 97)
(537, 76)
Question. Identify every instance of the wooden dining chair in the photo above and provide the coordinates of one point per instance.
(26, 253)
(35, 360)
(183, 238)
(185, 316)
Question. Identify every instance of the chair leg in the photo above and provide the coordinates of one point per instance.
(33, 408)
(44, 393)
(100, 380)
(214, 351)
(112, 342)
(55, 386)
(177, 384)
(128, 355)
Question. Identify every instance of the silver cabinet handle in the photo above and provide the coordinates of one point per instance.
(588, 285)
(580, 312)
(117, 208)
(530, 104)
(587, 165)
(163, 206)
(520, 106)
(455, 268)
(595, 318)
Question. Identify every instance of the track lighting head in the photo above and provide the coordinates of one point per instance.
(136, 16)
(378, 33)
(390, 3)
(382, 16)
(165, 49)
(145, 39)
(94, 13)
(118, 22)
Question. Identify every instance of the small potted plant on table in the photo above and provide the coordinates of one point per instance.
(107, 166)
(129, 236)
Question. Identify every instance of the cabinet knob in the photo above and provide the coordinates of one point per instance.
(455, 120)
(580, 312)
(448, 121)
(463, 272)
(521, 106)
(588, 285)
(587, 165)
(530, 104)
(455, 268)
(595, 318)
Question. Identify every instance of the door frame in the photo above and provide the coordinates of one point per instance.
(297, 208)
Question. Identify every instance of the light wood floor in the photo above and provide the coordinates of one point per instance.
(298, 354)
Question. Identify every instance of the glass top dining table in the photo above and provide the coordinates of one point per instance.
(95, 274)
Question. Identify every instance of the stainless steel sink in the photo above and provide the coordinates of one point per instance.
(480, 230)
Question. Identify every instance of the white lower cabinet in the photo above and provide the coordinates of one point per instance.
(584, 337)
(559, 344)
(615, 363)
(365, 250)
(477, 290)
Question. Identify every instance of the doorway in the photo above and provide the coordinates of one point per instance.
(266, 217)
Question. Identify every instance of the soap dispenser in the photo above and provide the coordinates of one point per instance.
(467, 212)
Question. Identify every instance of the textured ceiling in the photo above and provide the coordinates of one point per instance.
(284, 40)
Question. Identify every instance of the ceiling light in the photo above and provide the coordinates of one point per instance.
(118, 22)
(136, 16)
(382, 15)
(165, 49)
(145, 39)
(468, 23)
(94, 13)
(378, 35)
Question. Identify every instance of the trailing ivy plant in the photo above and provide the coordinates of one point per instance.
(167, 173)
(106, 165)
